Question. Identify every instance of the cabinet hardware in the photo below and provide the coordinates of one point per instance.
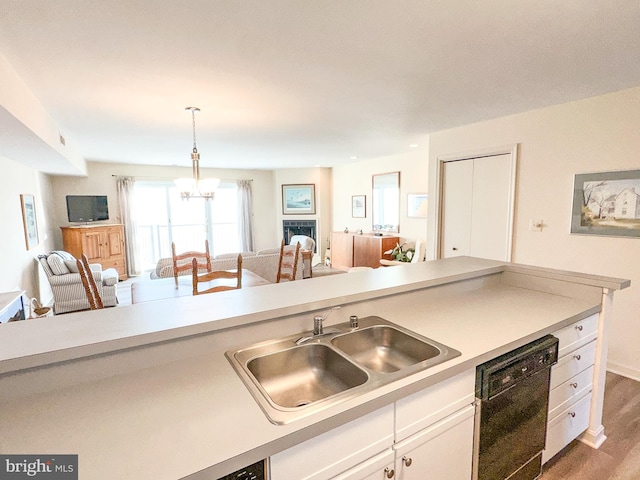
(407, 461)
(574, 385)
(577, 357)
(454, 249)
(579, 328)
(389, 472)
(573, 414)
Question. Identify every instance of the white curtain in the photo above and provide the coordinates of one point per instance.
(125, 198)
(245, 215)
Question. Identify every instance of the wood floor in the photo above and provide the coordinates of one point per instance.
(619, 456)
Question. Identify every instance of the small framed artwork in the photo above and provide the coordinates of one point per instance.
(607, 203)
(358, 206)
(29, 220)
(299, 199)
(417, 205)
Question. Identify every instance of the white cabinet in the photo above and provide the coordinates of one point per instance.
(443, 450)
(571, 385)
(433, 427)
(338, 450)
(379, 467)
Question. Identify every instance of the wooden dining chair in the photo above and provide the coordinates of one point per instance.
(182, 262)
(288, 262)
(215, 275)
(89, 283)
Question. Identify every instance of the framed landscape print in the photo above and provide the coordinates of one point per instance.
(417, 205)
(299, 199)
(607, 203)
(29, 220)
(358, 206)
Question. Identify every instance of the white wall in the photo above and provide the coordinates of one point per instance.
(100, 181)
(592, 135)
(355, 179)
(18, 266)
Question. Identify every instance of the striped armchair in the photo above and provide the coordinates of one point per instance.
(66, 285)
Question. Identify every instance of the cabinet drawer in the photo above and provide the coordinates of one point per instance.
(572, 364)
(569, 392)
(426, 407)
(334, 452)
(576, 334)
(564, 428)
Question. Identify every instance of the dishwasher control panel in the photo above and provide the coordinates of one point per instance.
(503, 372)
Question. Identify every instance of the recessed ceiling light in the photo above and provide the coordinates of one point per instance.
(353, 158)
(413, 145)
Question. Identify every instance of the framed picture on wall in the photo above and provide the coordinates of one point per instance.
(607, 203)
(29, 220)
(299, 199)
(417, 205)
(358, 206)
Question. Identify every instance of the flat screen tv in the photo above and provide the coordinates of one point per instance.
(87, 208)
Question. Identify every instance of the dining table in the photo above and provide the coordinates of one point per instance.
(162, 288)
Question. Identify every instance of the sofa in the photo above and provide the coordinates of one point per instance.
(68, 292)
(263, 263)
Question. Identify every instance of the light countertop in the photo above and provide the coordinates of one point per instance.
(182, 409)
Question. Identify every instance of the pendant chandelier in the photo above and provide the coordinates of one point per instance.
(196, 187)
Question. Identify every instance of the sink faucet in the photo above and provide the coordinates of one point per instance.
(318, 329)
(317, 325)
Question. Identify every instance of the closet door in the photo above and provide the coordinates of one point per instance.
(476, 212)
(456, 208)
(490, 208)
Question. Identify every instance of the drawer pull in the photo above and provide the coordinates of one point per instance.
(574, 385)
(407, 461)
(577, 357)
(579, 328)
(389, 472)
(573, 414)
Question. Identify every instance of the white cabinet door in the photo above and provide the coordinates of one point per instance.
(477, 207)
(380, 467)
(337, 450)
(441, 451)
(456, 208)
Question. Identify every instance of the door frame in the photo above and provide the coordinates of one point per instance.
(441, 160)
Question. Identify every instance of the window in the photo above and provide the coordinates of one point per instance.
(163, 217)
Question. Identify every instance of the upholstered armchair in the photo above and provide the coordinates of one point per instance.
(68, 292)
(307, 247)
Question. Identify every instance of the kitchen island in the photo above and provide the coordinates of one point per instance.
(145, 391)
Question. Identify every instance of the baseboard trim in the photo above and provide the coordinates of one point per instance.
(593, 438)
(618, 369)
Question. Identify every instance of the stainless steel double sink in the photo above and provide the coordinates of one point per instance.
(301, 374)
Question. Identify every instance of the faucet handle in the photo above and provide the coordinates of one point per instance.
(317, 325)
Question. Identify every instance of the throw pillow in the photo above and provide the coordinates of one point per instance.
(56, 264)
(72, 266)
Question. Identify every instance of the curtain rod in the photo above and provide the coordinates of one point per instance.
(173, 178)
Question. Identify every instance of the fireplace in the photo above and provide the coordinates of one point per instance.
(299, 227)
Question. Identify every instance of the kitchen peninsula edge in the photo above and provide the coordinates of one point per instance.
(102, 383)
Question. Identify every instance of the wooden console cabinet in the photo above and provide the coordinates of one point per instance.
(354, 250)
(103, 244)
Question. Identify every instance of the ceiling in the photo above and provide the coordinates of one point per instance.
(300, 83)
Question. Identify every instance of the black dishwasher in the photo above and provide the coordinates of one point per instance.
(511, 420)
